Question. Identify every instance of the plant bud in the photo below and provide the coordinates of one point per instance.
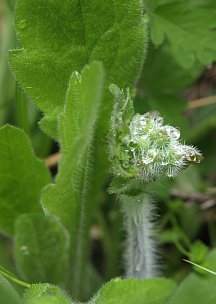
(142, 146)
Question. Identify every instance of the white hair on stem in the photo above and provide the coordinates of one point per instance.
(140, 254)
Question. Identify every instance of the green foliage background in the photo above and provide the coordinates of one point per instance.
(70, 233)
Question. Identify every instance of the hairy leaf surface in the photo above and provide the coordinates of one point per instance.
(117, 291)
(76, 129)
(67, 198)
(151, 291)
(22, 176)
(45, 294)
(60, 37)
(41, 248)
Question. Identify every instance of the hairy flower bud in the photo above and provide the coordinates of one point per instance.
(142, 146)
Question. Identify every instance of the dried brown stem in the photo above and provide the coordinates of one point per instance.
(193, 104)
(52, 160)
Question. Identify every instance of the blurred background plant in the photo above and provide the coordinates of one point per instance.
(185, 94)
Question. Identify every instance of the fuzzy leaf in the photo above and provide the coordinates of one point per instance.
(22, 177)
(76, 129)
(41, 248)
(117, 291)
(45, 294)
(190, 32)
(60, 37)
(151, 291)
(67, 198)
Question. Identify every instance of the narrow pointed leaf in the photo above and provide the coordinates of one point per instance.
(76, 129)
(67, 198)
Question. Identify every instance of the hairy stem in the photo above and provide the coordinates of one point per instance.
(140, 261)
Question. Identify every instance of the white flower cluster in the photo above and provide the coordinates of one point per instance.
(156, 149)
(142, 147)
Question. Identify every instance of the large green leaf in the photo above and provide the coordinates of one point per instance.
(41, 248)
(151, 291)
(189, 30)
(59, 37)
(198, 287)
(7, 292)
(67, 198)
(22, 176)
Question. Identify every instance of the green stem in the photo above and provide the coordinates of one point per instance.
(140, 259)
(13, 278)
